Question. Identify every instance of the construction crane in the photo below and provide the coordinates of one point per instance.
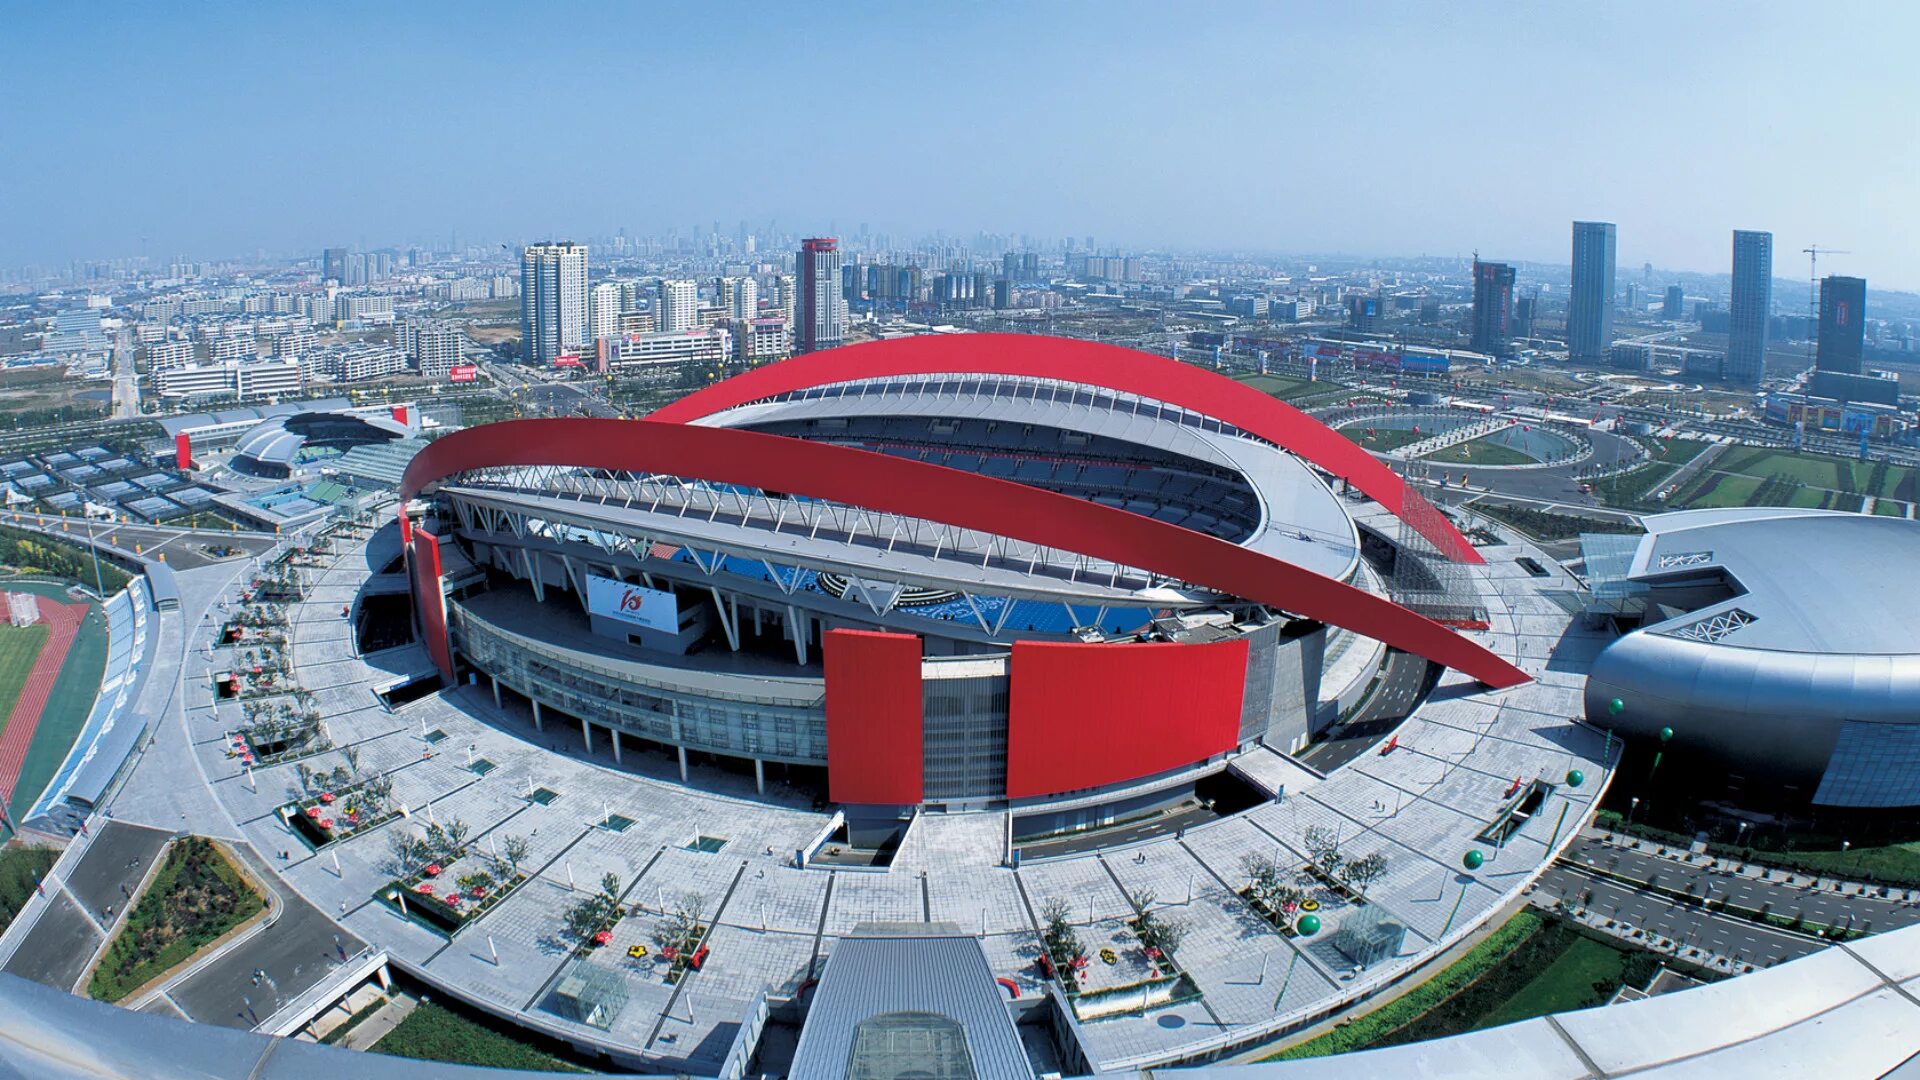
(1813, 253)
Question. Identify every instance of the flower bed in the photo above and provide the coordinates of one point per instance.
(446, 905)
(326, 819)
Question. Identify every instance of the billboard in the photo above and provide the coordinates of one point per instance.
(463, 372)
(631, 603)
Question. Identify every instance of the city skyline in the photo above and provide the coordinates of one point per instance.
(1180, 160)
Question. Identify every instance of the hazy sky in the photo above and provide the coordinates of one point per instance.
(1435, 128)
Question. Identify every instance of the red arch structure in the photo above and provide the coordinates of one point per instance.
(950, 496)
(1126, 371)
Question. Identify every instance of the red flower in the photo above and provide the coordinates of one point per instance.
(478, 892)
(424, 889)
(326, 796)
(313, 811)
(452, 898)
(326, 823)
(433, 870)
(1153, 952)
(602, 937)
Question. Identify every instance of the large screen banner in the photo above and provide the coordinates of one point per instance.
(631, 603)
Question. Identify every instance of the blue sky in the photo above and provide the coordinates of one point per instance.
(209, 128)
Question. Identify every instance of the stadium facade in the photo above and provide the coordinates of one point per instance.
(1779, 643)
(967, 572)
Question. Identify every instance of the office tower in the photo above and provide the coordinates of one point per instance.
(743, 299)
(333, 265)
(553, 299)
(820, 312)
(603, 310)
(1633, 297)
(1363, 313)
(1590, 311)
(678, 306)
(1492, 306)
(1752, 305)
(1522, 324)
(1843, 324)
(1674, 307)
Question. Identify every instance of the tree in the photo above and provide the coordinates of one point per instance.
(1263, 880)
(1323, 847)
(681, 927)
(1364, 871)
(513, 851)
(1062, 945)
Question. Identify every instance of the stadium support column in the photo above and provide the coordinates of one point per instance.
(495, 680)
(682, 751)
(759, 776)
(537, 726)
(586, 732)
(613, 733)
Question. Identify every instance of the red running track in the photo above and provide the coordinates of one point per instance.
(63, 621)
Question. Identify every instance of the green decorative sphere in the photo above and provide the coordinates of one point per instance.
(1615, 706)
(1473, 859)
(1575, 778)
(1666, 733)
(1308, 925)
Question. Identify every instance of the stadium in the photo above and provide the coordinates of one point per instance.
(1799, 674)
(947, 572)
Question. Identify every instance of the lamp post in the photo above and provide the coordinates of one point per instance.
(1472, 860)
(1308, 926)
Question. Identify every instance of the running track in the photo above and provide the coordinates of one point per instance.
(63, 622)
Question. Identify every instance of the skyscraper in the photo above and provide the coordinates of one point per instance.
(553, 299)
(603, 311)
(1843, 324)
(820, 312)
(1590, 311)
(1492, 306)
(1752, 305)
(333, 265)
(678, 307)
(1674, 307)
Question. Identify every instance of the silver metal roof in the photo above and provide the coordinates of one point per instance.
(1812, 581)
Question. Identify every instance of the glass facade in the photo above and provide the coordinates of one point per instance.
(1873, 765)
(742, 725)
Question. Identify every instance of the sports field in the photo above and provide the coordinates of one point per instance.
(1759, 476)
(1383, 439)
(63, 694)
(1481, 451)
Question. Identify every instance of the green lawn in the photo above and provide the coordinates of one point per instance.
(1384, 439)
(1481, 451)
(1568, 983)
(1280, 386)
(195, 897)
(1677, 451)
(18, 867)
(1890, 508)
(67, 706)
(1761, 476)
(433, 1032)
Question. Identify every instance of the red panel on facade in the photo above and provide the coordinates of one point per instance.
(183, 451)
(1091, 363)
(873, 716)
(433, 606)
(1084, 716)
(399, 414)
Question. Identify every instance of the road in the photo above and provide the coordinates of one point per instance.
(1745, 942)
(75, 925)
(1403, 684)
(1822, 906)
(126, 385)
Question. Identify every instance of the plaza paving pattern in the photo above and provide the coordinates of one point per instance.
(774, 925)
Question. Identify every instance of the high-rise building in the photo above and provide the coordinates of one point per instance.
(820, 313)
(678, 306)
(333, 265)
(603, 310)
(553, 299)
(1523, 309)
(1843, 324)
(1674, 306)
(1492, 306)
(1590, 310)
(1752, 305)
(743, 299)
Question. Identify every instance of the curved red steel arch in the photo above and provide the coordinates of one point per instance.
(954, 497)
(1128, 371)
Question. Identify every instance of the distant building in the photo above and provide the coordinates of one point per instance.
(167, 355)
(765, 339)
(677, 308)
(1843, 310)
(1363, 313)
(819, 311)
(264, 378)
(434, 346)
(333, 265)
(553, 300)
(1674, 307)
(603, 310)
(1752, 305)
(1523, 312)
(635, 352)
(1492, 307)
(1590, 311)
